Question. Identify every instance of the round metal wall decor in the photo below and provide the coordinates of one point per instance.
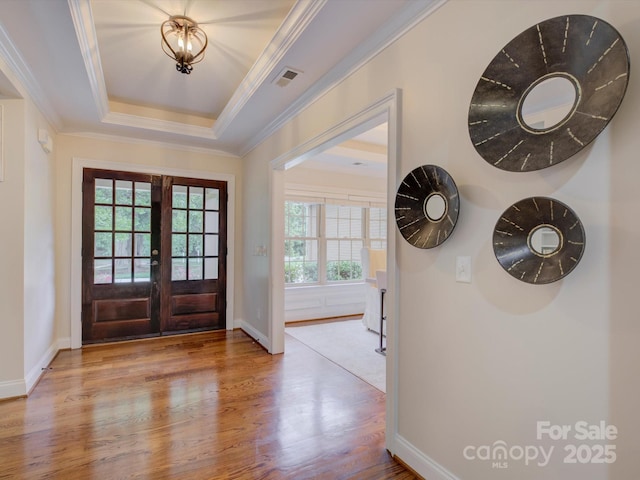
(427, 206)
(583, 54)
(538, 240)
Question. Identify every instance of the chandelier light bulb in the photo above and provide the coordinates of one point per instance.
(179, 36)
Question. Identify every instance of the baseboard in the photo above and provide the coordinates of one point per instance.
(421, 463)
(36, 372)
(12, 389)
(253, 333)
(64, 343)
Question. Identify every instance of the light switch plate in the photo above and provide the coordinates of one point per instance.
(463, 269)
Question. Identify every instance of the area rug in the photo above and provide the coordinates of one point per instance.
(347, 343)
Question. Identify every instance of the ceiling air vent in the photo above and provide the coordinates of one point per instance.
(285, 76)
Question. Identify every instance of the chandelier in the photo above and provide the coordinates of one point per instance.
(183, 41)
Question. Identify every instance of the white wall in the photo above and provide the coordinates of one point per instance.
(135, 154)
(40, 340)
(12, 250)
(256, 227)
(27, 289)
(323, 301)
(483, 362)
(301, 175)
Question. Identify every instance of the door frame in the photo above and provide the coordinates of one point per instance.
(78, 165)
(384, 109)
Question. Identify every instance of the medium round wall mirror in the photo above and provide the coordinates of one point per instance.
(548, 104)
(427, 206)
(538, 240)
(548, 93)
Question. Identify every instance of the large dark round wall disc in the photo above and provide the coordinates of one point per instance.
(585, 57)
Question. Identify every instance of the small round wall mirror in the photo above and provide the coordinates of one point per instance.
(538, 240)
(548, 93)
(545, 240)
(435, 206)
(427, 205)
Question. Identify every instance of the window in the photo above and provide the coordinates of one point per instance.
(323, 241)
(301, 242)
(345, 238)
(378, 228)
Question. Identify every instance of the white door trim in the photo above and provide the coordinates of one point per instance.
(79, 164)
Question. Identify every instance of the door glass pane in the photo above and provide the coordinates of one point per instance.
(143, 194)
(189, 205)
(141, 270)
(211, 222)
(196, 197)
(178, 245)
(179, 196)
(210, 268)
(123, 270)
(195, 245)
(195, 221)
(178, 269)
(123, 218)
(143, 245)
(195, 269)
(211, 245)
(179, 221)
(143, 219)
(123, 245)
(102, 271)
(103, 218)
(104, 191)
(102, 244)
(212, 199)
(124, 192)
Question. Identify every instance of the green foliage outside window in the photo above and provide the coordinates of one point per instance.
(300, 272)
(343, 270)
(294, 248)
(125, 217)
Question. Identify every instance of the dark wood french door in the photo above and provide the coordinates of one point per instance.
(153, 255)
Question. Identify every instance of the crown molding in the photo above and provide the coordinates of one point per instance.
(152, 143)
(413, 13)
(85, 31)
(296, 22)
(167, 126)
(335, 193)
(27, 82)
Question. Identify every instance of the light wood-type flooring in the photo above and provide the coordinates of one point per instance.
(205, 406)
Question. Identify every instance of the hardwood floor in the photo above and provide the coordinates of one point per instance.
(206, 406)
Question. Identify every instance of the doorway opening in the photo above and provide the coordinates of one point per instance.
(335, 244)
(386, 109)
